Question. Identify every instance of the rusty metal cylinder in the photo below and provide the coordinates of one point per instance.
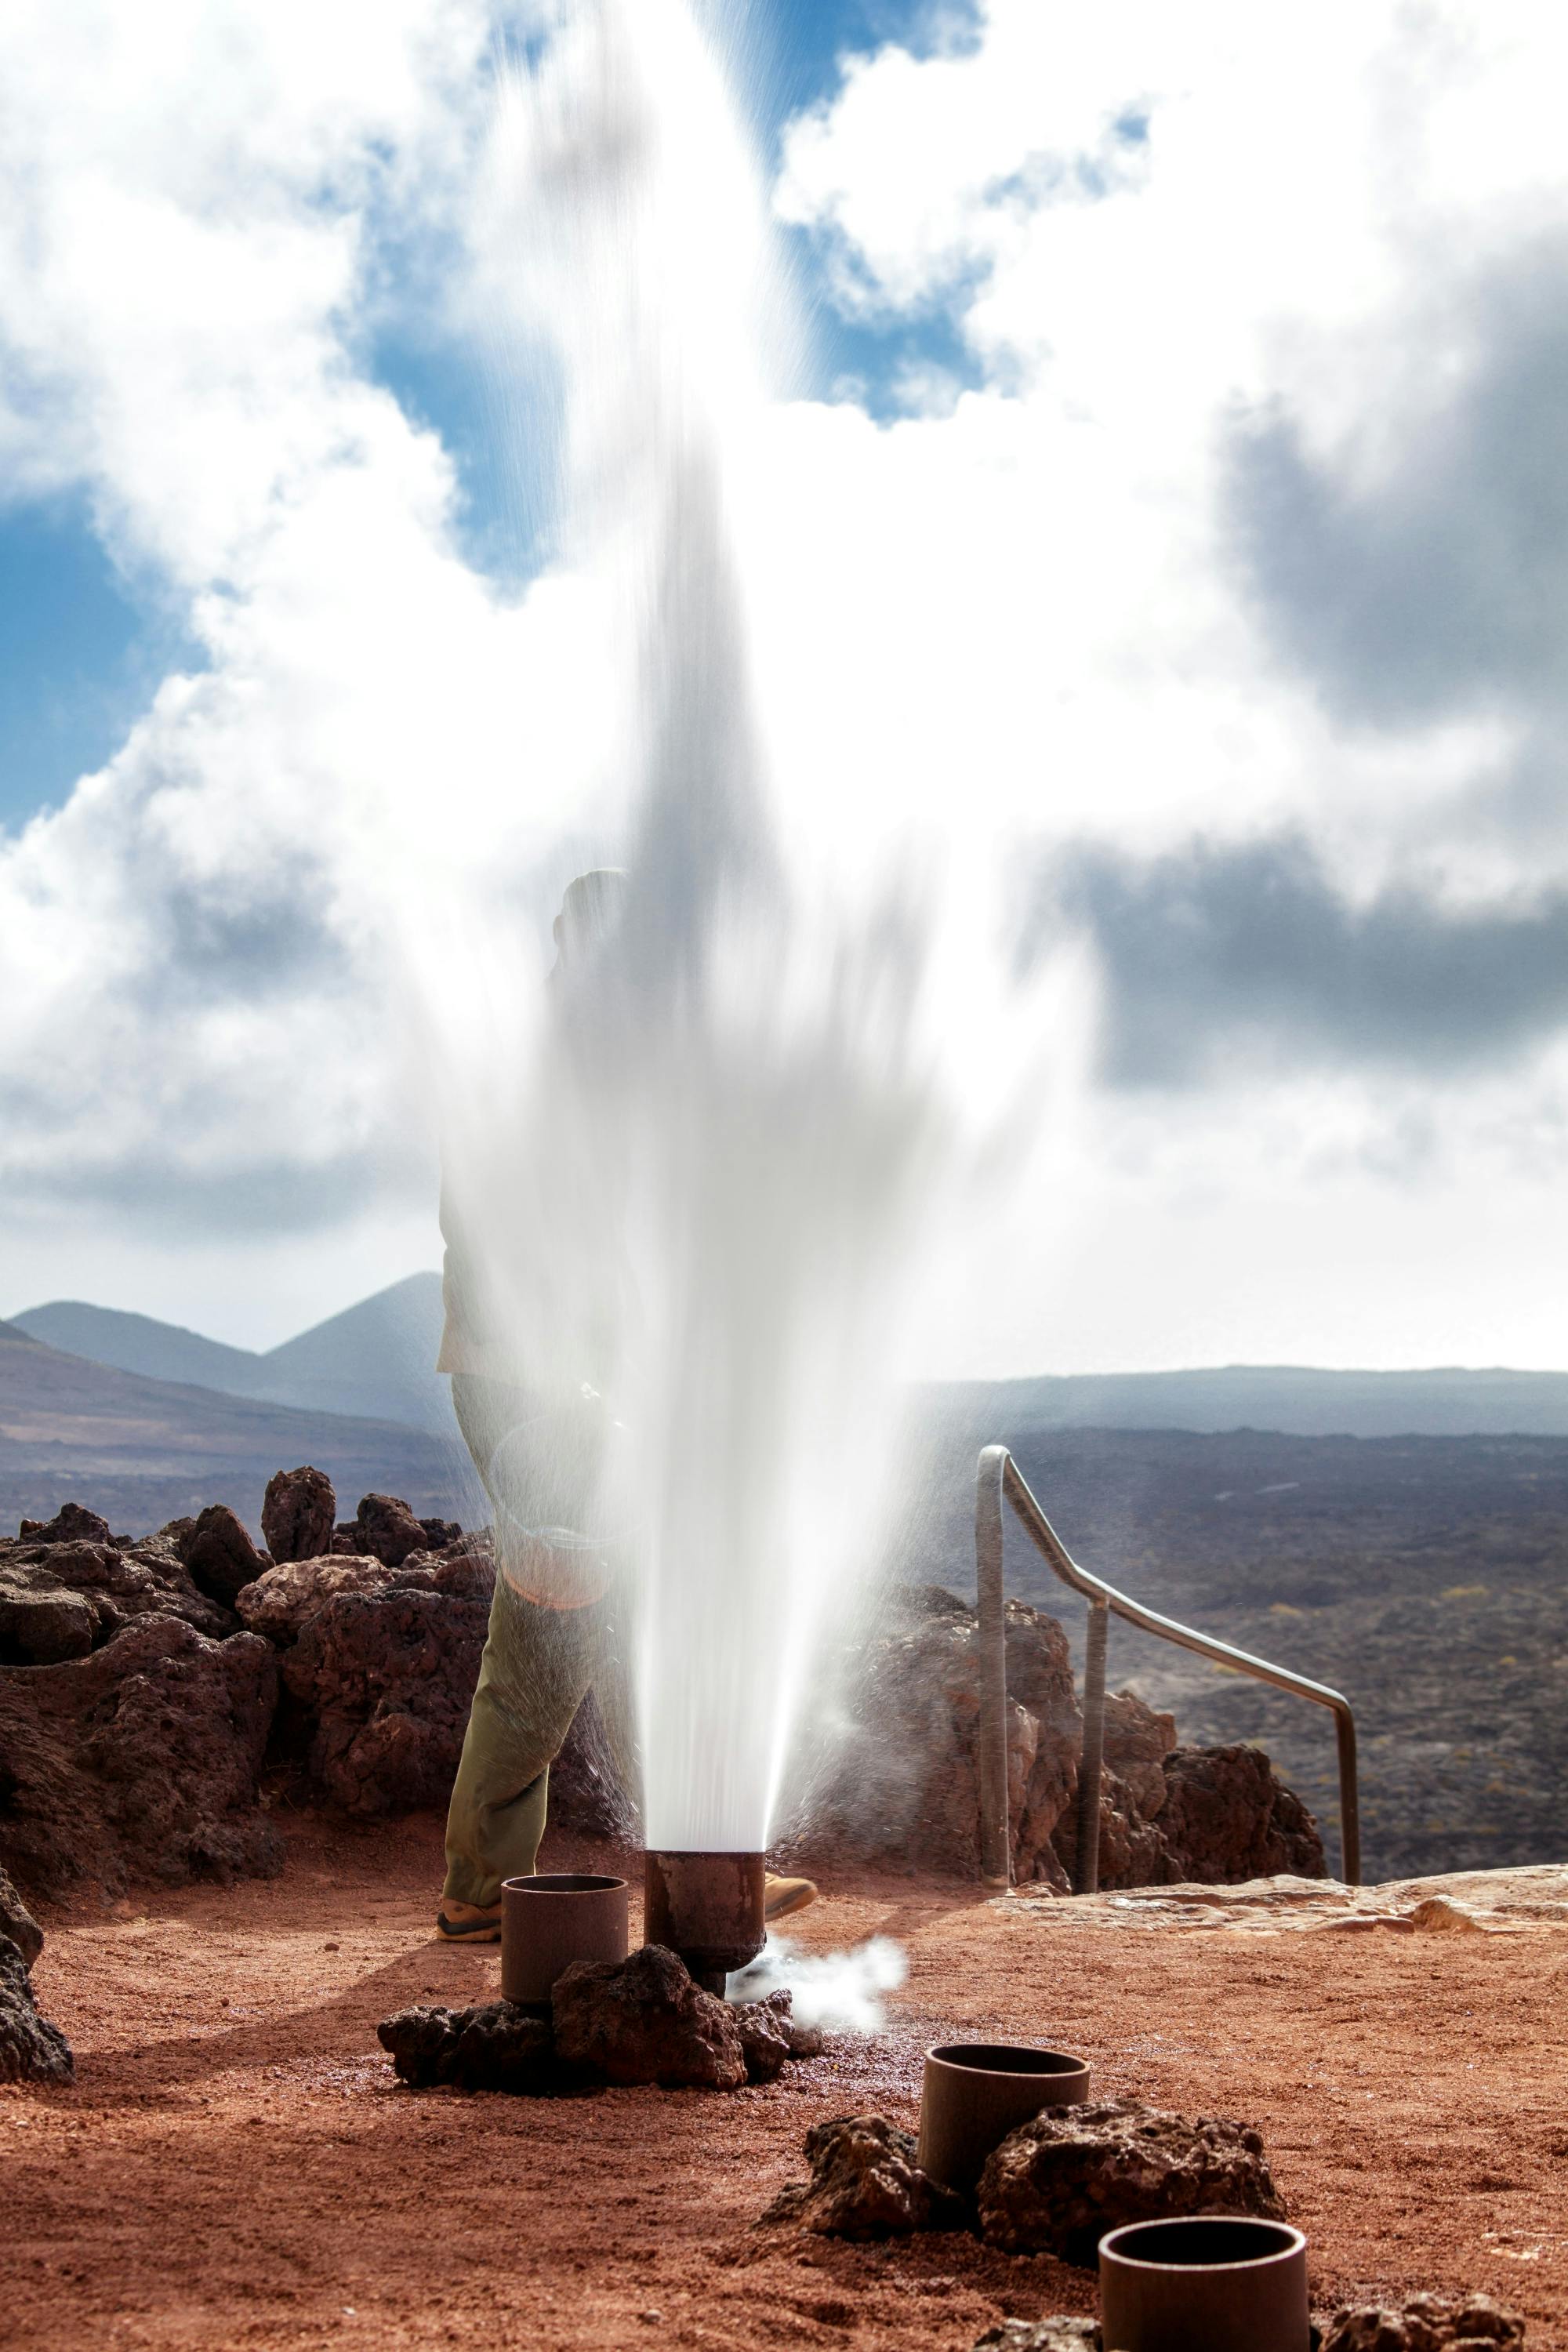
(1207, 2282)
(709, 1909)
(975, 2093)
(549, 1921)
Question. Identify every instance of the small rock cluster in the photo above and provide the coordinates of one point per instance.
(31, 2049)
(641, 2020)
(1054, 2186)
(1041, 2336)
(1060, 2181)
(1428, 2323)
(864, 2183)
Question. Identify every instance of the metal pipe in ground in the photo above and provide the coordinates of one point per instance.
(1085, 1877)
(995, 1831)
(709, 1907)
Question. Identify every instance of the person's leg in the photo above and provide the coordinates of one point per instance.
(537, 1665)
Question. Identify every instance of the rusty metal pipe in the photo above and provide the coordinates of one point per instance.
(995, 1829)
(708, 1907)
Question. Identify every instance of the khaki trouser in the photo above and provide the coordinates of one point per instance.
(538, 1664)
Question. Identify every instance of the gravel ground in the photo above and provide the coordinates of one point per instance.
(236, 2166)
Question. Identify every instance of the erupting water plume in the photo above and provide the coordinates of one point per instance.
(691, 1185)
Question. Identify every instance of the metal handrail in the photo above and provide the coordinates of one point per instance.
(998, 1478)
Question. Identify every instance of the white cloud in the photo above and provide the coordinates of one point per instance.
(1157, 231)
(1022, 615)
(203, 955)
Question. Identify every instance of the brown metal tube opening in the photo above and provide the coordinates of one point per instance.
(709, 1909)
(1006, 2058)
(1205, 2283)
(974, 2093)
(551, 1919)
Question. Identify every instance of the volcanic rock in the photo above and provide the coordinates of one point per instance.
(137, 1762)
(387, 1530)
(864, 2183)
(1041, 2336)
(17, 1922)
(642, 2020)
(764, 2044)
(40, 1624)
(905, 1785)
(1428, 2323)
(380, 1664)
(770, 2034)
(439, 1533)
(1226, 1818)
(31, 2049)
(60, 1599)
(219, 1553)
(1138, 1738)
(494, 2047)
(298, 1514)
(70, 1524)
(1057, 2183)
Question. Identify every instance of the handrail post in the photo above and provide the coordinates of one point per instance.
(1349, 1800)
(995, 1830)
(1085, 1877)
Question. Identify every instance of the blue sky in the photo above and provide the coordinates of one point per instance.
(1230, 590)
(82, 647)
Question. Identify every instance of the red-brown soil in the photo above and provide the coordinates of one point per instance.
(236, 2166)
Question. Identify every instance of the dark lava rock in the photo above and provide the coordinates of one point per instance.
(380, 1664)
(1041, 2336)
(1226, 1818)
(439, 1533)
(17, 1922)
(31, 2049)
(298, 1514)
(770, 2035)
(40, 1624)
(1057, 2183)
(1428, 2323)
(137, 1762)
(905, 1785)
(61, 1598)
(764, 2044)
(219, 1553)
(643, 2020)
(388, 1530)
(864, 2183)
(495, 2047)
(70, 1524)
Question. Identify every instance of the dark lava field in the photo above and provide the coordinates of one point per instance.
(1426, 1578)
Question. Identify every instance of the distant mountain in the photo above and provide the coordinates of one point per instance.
(1294, 1400)
(375, 1360)
(142, 1450)
(378, 1357)
(137, 1343)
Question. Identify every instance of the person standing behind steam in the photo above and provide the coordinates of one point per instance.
(540, 1443)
